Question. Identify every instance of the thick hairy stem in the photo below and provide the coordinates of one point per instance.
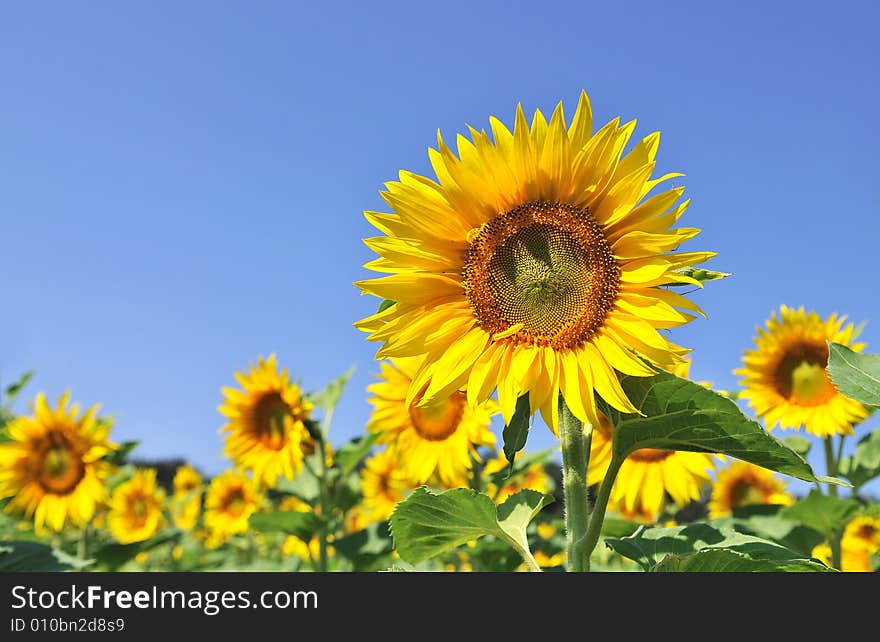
(575, 438)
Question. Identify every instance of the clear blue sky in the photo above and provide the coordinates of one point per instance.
(181, 184)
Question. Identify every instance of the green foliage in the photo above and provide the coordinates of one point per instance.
(368, 549)
(385, 304)
(516, 432)
(14, 389)
(351, 453)
(801, 445)
(112, 556)
(824, 514)
(428, 523)
(864, 464)
(701, 274)
(681, 415)
(329, 396)
(765, 521)
(687, 548)
(18, 556)
(302, 524)
(855, 375)
(119, 456)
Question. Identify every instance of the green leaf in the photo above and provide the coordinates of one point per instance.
(386, 303)
(721, 560)
(650, 546)
(801, 445)
(429, 522)
(12, 391)
(16, 557)
(516, 432)
(367, 549)
(351, 453)
(119, 456)
(864, 464)
(827, 515)
(112, 556)
(765, 521)
(683, 415)
(700, 274)
(618, 527)
(302, 524)
(855, 375)
(305, 486)
(327, 398)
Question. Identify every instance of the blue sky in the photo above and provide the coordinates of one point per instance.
(182, 184)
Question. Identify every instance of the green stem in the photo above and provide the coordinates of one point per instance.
(588, 543)
(575, 438)
(325, 505)
(831, 469)
(82, 546)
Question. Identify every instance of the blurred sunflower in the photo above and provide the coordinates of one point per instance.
(648, 475)
(229, 503)
(52, 467)
(784, 376)
(382, 485)
(293, 545)
(534, 263)
(860, 541)
(187, 500)
(744, 484)
(534, 477)
(266, 429)
(136, 508)
(437, 439)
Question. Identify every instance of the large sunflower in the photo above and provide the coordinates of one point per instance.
(266, 430)
(187, 500)
(136, 508)
(744, 484)
(437, 439)
(229, 503)
(534, 263)
(785, 379)
(52, 467)
(648, 475)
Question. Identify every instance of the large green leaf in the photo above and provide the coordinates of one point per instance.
(827, 515)
(682, 415)
(516, 432)
(305, 486)
(864, 464)
(112, 556)
(801, 445)
(18, 556)
(428, 522)
(302, 524)
(721, 560)
(352, 452)
(855, 375)
(765, 521)
(651, 546)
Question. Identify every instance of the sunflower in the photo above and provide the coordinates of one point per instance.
(266, 429)
(229, 503)
(744, 484)
(187, 501)
(785, 379)
(860, 541)
(533, 264)
(534, 477)
(136, 508)
(383, 485)
(648, 475)
(52, 467)
(437, 439)
(293, 545)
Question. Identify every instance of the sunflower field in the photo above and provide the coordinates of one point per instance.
(537, 277)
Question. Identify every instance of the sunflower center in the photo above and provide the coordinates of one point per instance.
(235, 503)
(800, 376)
(61, 468)
(546, 266)
(437, 421)
(745, 493)
(271, 415)
(140, 509)
(650, 455)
